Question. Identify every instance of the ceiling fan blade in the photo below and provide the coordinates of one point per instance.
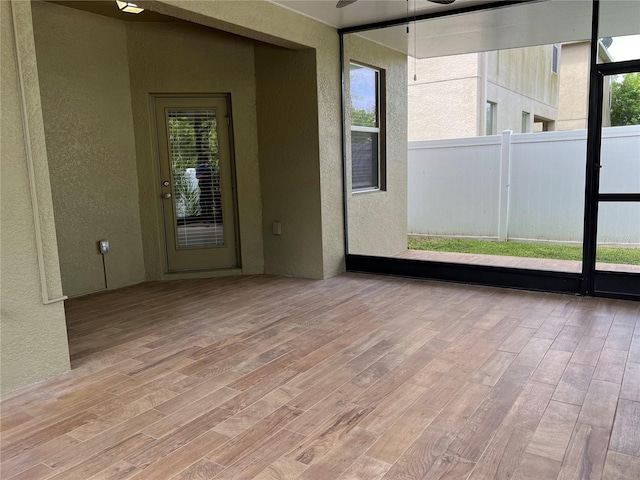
(344, 3)
(443, 2)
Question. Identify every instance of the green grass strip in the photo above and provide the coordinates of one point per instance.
(617, 255)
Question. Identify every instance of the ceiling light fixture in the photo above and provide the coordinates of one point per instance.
(129, 7)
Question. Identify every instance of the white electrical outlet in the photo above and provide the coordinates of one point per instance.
(103, 246)
(277, 228)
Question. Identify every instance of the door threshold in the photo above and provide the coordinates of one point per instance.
(219, 272)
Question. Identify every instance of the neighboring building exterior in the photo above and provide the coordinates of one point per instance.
(539, 88)
(447, 98)
(522, 86)
(574, 86)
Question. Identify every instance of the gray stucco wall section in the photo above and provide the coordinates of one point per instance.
(520, 80)
(33, 340)
(378, 220)
(526, 71)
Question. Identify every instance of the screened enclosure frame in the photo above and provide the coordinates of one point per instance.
(590, 281)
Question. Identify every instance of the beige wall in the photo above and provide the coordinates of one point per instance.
(84, 79)
(33, 333)
(33, 341)
(378, 220)
(272, 24)
(574, 81)
(186, 58)
(444, 85)
(289, 172)
(574, 87)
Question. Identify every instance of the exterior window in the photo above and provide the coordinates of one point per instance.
(367, 136)
(490, 118)
(554, 65)
(525, 122)
(541, 124)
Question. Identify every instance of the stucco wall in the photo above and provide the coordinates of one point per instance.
(574, 87)
(33, 335)
(378, 220)
(574, 84)
(509, 108)
(448, 98)
(443, 86)
(521, 80)
(525, 70)
(84, 81)
(290, 176)
(184, 58)
(166, 58)
(33, 341)
(270, 23)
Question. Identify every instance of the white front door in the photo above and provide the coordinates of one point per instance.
(197, 182)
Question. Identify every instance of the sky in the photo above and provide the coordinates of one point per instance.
(363, 88)
(625, 48)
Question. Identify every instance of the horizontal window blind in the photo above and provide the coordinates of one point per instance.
(195, 172)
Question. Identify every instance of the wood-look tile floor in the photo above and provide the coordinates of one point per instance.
(356, 377)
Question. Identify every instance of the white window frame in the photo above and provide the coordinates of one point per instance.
(379, 130)
(526, 122)
(492, 116)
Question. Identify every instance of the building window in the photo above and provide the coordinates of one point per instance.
(554, 64)
(490, 119)
(541, 124)
(525, 122)
(367, 136)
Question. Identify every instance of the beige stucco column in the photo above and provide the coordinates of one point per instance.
(32, 325)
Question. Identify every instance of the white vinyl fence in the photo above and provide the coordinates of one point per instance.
(527, 187)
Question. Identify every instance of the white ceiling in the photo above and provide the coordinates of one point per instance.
(368, 11)
(536, 23)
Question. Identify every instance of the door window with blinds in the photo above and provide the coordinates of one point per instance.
(195, 172)
(367, 134)
(196, 182)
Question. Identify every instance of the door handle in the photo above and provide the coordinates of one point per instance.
(166, 195)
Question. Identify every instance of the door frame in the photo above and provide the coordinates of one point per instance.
(594, 282)
(598, 282)
(158, 179)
